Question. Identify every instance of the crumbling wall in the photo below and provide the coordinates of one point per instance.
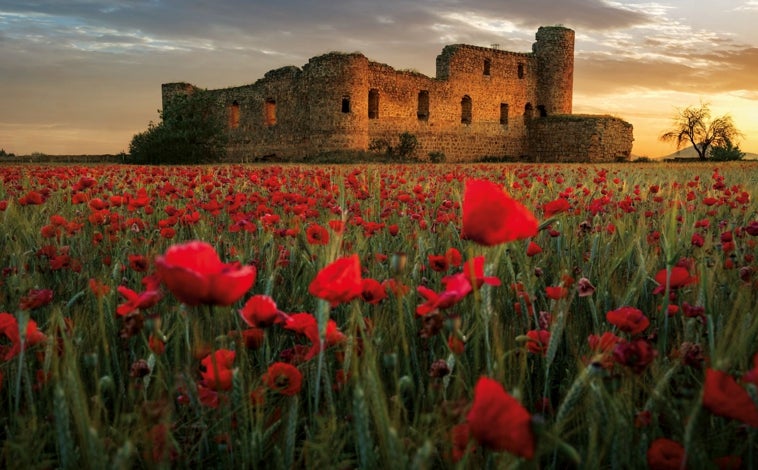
(580, 138)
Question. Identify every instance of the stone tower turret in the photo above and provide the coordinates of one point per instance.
(554, 51)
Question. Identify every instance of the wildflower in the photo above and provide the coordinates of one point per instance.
(144, 300)
(680, 277)
(216, 369)
(636, 354)
(628, 319)
(585, 287)
(491, 217)
(665, 454)
(538, 341)
(317, 235)
(284, 379)
(723, 396)
(474, 271)
(98, 288)
(260, 311)
(373, 291)
(453, 257)
(498, 421)
(306, 325)
(533, 249)
(438, 263)
(460, 436)
(10, 329)
(36, 298)
(556, 292)
(555, 207)
(338, 282)
(194, 273)
(138, 263)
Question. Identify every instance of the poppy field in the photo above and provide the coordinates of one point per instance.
(379, 316)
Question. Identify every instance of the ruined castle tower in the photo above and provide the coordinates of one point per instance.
(554, 51)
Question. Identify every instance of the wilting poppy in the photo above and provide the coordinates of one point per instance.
(636, 354)
(283, 378)
(585, 287)
(723, 396)
(492, 217)
(628, 319)
(498, 421)
(338, 282)
(665, 454)
(194, 273)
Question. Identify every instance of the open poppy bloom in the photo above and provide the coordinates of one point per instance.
(194, 273)
(498, 421)
(338, 282)
(680, 277)
(216, 369)
(284, 379)
(492, 217)
(260, 311)
(306, 325)
(9, 328)
(723, 396)
(628, 319)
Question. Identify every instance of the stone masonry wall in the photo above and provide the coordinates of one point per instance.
(580, 138)
(484, 102)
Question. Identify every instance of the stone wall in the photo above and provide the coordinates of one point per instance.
(479, 104)
(580, 138)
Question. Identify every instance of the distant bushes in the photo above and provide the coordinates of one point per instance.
(190, 131)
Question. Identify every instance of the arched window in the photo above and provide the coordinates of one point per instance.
(520, 70)
(487, 64)
(423, 105)
(504, 114)
(234, 115)
(466, 110)
(373, 103)
(269, 112)
(541, 109)
(345, 104)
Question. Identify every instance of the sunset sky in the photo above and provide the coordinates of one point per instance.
(82, 77)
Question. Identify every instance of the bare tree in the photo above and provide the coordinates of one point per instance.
(694, 124)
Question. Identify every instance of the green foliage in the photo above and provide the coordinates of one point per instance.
(437, 156)
(404, 151)
(727, 152)
(191, 131)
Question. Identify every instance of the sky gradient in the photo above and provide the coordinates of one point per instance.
(82, 77)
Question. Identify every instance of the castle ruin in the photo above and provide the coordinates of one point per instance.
(483, 102)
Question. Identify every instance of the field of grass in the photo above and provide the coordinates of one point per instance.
(335, 317)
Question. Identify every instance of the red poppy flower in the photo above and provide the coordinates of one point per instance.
(260, 311)
(556, 292)
(665, 454)
(338, 282)
(628, 319)
(283, 378)
(36, 298)
(555, 207)
(194, 273)
(680, 277)
(533, 249)
(317, 235)
(538, 341)
(460, 436)
(453, 257)
(98, 288)
(135, 301)
(306, 324)
(138, 263)
(216, 369)
(474, 271)
(491, 217)
(498, 421)
(9, 328)
(373, 291)
(723, 396)
(438, 263)
(636, 354)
